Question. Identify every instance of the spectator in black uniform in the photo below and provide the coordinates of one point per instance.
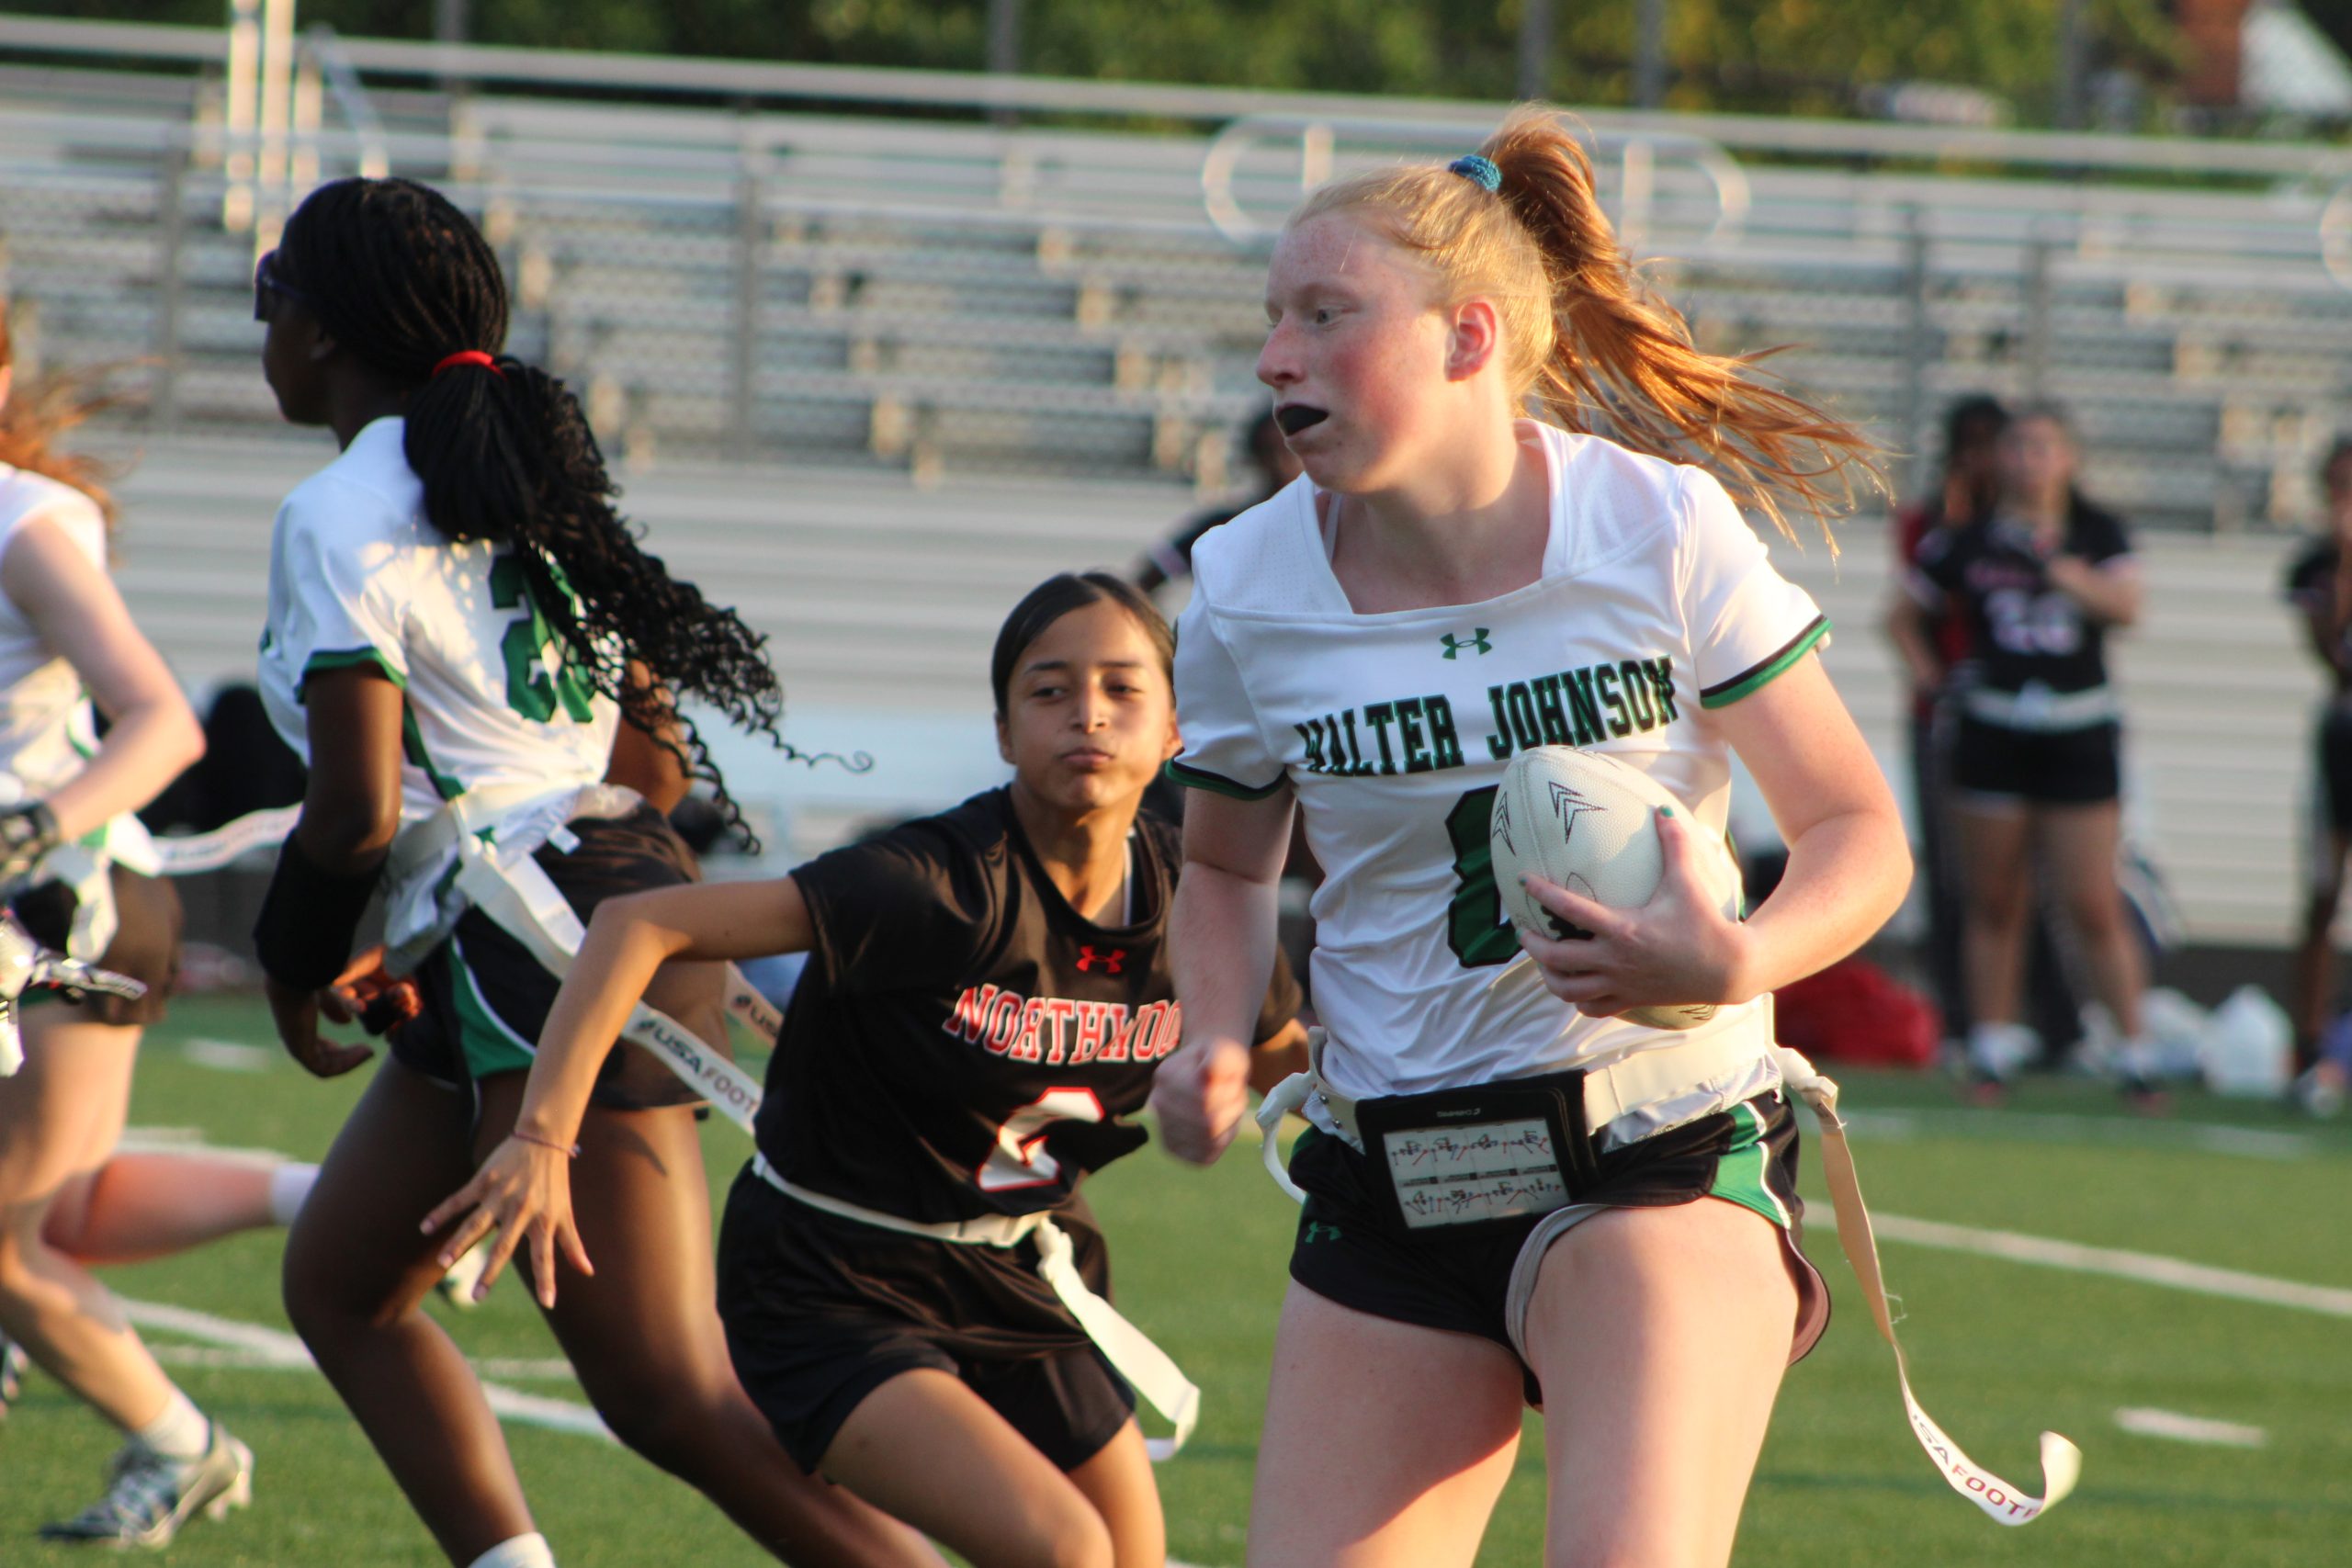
(986, 999)
(2037, 754)
(2319, 586)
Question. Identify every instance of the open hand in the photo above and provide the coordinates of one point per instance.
(523, 1192)
(1676, 950)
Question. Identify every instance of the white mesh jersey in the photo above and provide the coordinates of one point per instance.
(359, 575)
(1656, 604)
(46, 734)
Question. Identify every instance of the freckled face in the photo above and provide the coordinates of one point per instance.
(1355, 352)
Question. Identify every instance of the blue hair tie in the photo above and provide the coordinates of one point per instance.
(1479, 169)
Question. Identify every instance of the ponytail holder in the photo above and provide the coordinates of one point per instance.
(469, 357)
(1479, 169)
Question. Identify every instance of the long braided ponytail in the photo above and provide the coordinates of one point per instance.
(405, 281)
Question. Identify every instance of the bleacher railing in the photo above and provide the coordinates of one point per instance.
(1042, 274)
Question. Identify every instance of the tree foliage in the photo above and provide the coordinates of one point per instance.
(1810, 56)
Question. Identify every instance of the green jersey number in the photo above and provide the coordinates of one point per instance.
(530, 690)
(1475, 926)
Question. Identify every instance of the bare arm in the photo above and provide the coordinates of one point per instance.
(1278, 1058)
(1221, 936)
(629, 939)
(1849, 866)
(76, 610)
(646, 762)
(524, 1189)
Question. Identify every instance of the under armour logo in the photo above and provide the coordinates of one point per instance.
(1315, 1230)
(1113, 962)
(1476, 639)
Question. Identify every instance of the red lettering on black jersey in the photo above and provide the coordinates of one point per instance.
(1033, 1013)
(1113, 962)
(968, 1018)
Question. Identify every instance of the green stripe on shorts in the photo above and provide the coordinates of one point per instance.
(483, 1038)
(1744, 1175)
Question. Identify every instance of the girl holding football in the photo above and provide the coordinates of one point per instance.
(987, 998)
(67, 1200)
(456, 605)
(1450, 584)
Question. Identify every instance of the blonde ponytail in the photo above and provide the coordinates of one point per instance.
(1587, 337)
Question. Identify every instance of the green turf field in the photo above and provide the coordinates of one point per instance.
(2000, 1348)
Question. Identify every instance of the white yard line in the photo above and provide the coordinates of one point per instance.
(2172, 1424)
(2147, 1268)
(277, 1348)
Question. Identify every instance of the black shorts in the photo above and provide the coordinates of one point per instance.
(1351, 1250)
(2064, 767)
(146, 944)
(2333, 757)
(821, 1311)
(485, 997)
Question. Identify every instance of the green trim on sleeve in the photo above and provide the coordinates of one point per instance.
(348, 658)
(1217, 783)
(1725, 692)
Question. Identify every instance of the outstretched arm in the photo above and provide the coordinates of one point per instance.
(524, 1189)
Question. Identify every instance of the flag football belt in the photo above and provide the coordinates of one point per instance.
(2041, 711)
(1130, 1352)
(516, 891)
(1679, 1066)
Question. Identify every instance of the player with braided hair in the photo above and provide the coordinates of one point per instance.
(457, 608)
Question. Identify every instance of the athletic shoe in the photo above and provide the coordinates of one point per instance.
(149, 1497)
(2145, 1096)
(457, 1286)
(2319, 1093)
(12, 1363)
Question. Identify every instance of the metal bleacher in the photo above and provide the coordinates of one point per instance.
(1038, 302)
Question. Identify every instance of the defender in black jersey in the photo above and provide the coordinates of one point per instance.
(2319, 586)
(986, 1001)
(2036, 761)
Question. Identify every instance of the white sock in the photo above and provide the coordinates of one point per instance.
(180, 1432)
(523, 1552)
(289, 1184)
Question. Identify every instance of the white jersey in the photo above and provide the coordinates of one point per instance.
(1656, 604)
(359, 576)
(46, 733)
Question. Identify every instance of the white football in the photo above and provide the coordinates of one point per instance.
(1587, 821)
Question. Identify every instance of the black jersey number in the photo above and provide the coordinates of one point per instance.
(1475, 926)
(530, 690)
(1020, 1158)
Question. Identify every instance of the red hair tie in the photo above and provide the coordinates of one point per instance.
(469, 357)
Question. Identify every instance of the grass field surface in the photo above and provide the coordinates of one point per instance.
(2128, 1366)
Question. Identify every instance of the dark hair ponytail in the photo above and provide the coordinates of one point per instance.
(1057, 596)
(404, 280)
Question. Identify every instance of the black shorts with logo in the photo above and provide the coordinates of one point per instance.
(2064, 767)
(821, 1311)
(146, 944)
(1351, 1249)
(485, 997)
